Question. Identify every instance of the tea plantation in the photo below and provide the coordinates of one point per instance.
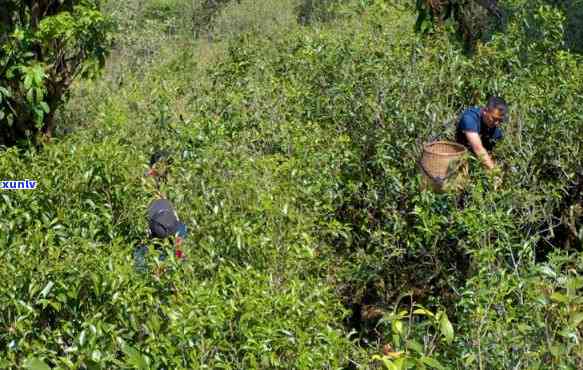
(310, 245)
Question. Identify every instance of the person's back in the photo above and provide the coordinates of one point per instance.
(162, 218)
(163, 223)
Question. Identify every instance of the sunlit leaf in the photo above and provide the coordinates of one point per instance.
(36, 364)
(445, 327)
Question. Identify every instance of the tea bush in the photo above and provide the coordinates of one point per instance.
(310, 244)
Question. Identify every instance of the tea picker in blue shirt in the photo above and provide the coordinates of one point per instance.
(479, 128)
(163, 223)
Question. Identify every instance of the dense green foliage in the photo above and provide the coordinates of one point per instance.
(311, 245)
(44, 47)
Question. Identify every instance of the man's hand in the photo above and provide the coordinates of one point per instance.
(478, 148)
(497, 182)
(496, 177)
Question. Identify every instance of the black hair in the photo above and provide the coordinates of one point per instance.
(160, 155)
(496, 102)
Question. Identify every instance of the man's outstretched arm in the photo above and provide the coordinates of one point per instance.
(478, 148)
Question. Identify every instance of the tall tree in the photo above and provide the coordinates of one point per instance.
(44, 46)
(471, 19)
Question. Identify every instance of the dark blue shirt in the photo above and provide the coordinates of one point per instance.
(471, 120)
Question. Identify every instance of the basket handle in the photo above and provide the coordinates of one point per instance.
(439, 179)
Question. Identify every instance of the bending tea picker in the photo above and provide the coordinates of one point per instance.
(479, 129)
(163, 223)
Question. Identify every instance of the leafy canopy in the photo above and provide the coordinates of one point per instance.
(44, 47)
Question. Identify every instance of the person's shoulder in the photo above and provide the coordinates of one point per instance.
(472, 111)
(470, 119)
(159, 205)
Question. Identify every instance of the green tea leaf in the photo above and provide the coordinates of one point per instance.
(422, 311)
(36, 364)
(47, 289)
(429, 361)
(558, 297)
(445, 327)
(576, 319)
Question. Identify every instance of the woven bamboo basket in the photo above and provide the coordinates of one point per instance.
(442, 163)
